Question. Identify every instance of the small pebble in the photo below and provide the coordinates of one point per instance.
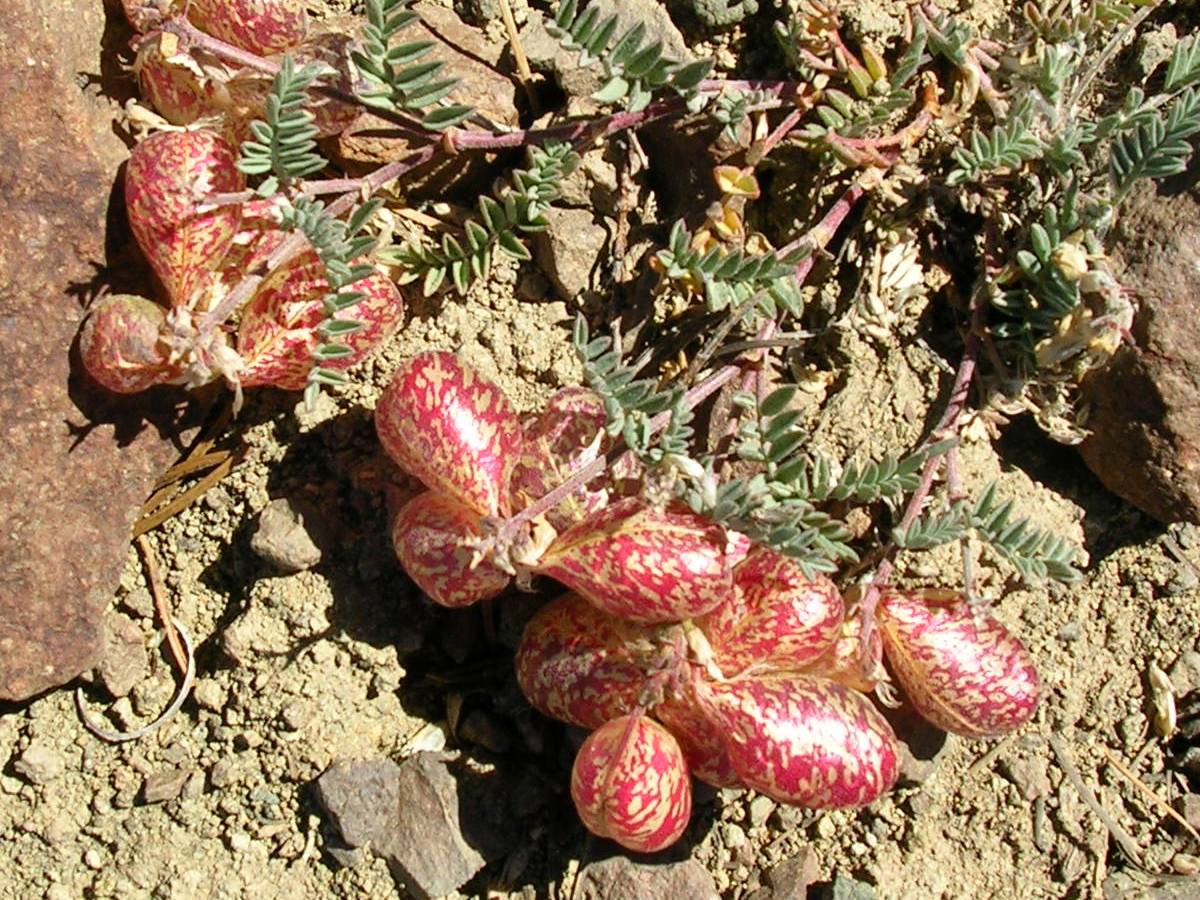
(239, 841)
(1185, 864)
(760, 810)
(733, 835)
(1070, 632)
(826, 827)
(39, 763)
(94, 859)
(163, 786)
(223, 773)
(209, 694)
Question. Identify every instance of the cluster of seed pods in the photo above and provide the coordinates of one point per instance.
(199, 254)
(185, 83)
(684, 648)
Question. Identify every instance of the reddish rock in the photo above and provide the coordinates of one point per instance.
(75, 462)
(1144, 413)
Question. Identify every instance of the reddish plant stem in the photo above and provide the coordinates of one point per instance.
(817, 237)
(697, 394)
(297, 242)
(947, 425)
(194, 37)
(908, 135)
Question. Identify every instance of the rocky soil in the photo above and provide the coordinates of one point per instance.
(345, 738)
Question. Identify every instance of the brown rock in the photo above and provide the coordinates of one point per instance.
(1144, 414)
(75, 463)
(436, 830)
(620, 876)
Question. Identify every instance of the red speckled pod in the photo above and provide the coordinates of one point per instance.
(803, 740)
(581, 666)
(120, 346)
(699, 735)
(644, 564)
(630, 783)
(176, 84)
(264, 27)
(969, 677)
(168, 174)
(444, 423)
(565, 437)
(278, 332)
(775, 617)
(433, 537)
(843, 661)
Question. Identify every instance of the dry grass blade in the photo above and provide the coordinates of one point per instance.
(159, 592)
(1120, 835)
(524, 73)
(1149, 794)
(152, 520)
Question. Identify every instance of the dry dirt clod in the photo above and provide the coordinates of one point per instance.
(284, 539)
(125, 662)
(39, 764)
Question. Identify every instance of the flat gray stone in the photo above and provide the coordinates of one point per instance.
(621, 878)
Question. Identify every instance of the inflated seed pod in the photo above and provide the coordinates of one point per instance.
(630, 783)
(167, 176)
(776, 617)
(279, 328)
(175, 83)
(265, 27)
(803, 740)
(442, 422)
(578, 665)
(566, 436)
(961, 670)
(843, 661)
(120, 344)
(639, 562)
(434, 537)
(699, 735)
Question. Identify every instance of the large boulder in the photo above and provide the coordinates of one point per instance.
(75, 464)
(1145, 405)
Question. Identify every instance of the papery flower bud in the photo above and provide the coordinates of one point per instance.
(279, 328)
(804, 740)
(961, 669)
(435, 539)
(578, 665)
(442, 422)
(120, 344)
(264, 27)
(168, 175)
(630, 783)
(641, 563)
(568, 435)
(843, 661)
(776, 617)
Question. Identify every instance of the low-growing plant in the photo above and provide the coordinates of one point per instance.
(701, 631)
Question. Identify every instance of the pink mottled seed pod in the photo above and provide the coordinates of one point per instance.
(966, 675)
(445, 424)
(803, 740)
(278, 332)
(120, 347)
(167, 176)
(776, 617)
(264, 27)
(630, 783)
(642, 563)
(434, 540)
(578, 665)
(699, 735)
(182, 85)
(565, 437)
